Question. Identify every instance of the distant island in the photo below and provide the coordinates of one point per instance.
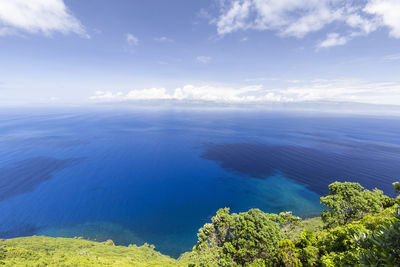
(358, 227)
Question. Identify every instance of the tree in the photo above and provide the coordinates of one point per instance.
(338, 245)
(288, 254)
(383, 245)
(306, 242)
(238, 239)
(348, 202)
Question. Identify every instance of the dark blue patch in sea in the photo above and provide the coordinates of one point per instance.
(312, 167)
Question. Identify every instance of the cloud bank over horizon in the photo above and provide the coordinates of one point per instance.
(318, 90)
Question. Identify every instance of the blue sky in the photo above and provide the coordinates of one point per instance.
(219, 51)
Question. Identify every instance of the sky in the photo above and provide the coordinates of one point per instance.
(212, 51)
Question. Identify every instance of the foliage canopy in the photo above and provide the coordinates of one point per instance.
(237, 239)
(348, 202)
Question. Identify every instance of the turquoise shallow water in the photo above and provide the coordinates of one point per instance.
(138, 176)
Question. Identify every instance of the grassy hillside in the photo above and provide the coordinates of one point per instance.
(48, 251)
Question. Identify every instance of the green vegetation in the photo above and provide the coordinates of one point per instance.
(47, 251)
(293, 231)
(383, 246)
(348, 202)
(397, 187)
(359, 227)
(251, 236)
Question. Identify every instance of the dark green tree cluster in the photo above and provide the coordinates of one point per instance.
(360, 227)
(239, 239)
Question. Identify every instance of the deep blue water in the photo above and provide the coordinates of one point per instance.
(138, 176)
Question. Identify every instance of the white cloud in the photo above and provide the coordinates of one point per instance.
(287, 17)
(298, 18)
(163, 39)
(315, 20)
(234, 18)
(186, 92)
(148, 94)
(203, 59)
(131, 39)
(389, 13)
(333, 39)
(364, 25)
(38, 16)
(313, 90)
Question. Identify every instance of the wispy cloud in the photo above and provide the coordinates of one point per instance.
(393, 57)
(163, 39)
(301, 17)
(4, 31)
(38, 16)
(260, 79)
(203, 59)
(204, 14)
(333, 39)
(106, 95)
(131, 39)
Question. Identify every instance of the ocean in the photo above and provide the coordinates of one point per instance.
(157, 175)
